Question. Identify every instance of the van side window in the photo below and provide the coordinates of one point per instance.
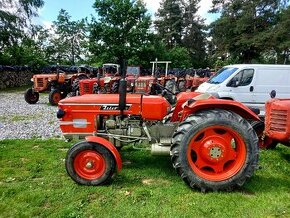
(247, 77)
(244, 77)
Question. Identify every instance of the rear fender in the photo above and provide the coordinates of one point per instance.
(109, 146)
(206, 104)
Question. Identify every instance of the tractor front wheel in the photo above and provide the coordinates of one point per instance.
(30, 96)
(54, 97)
(215, 150)
(90, 163)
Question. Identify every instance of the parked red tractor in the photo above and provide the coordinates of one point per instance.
(211, 141)
(58, 83)
(277, 122)
(107, 82)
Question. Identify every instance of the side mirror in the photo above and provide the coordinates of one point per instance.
(234, 82)
(273, 94)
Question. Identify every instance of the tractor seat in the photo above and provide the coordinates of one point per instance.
(202, 96)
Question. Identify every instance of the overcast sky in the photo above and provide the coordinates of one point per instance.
(78, 9)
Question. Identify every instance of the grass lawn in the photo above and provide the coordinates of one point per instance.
(33, 183)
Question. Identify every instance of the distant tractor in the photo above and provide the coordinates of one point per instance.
(59, 84)
(211, 141)
(108, 80)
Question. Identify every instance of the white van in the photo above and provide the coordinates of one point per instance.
(249, 83)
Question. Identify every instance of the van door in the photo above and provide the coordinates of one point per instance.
(241, 86)
(271, 78)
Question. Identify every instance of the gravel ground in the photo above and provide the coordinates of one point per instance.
(20, 120)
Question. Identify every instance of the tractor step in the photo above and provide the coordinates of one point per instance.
(160, 149)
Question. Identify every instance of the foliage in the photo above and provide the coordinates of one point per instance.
(169, 22)
(33, 183)
(245, 28)
(69, 43)
(14, 18)
(121, 30)
(178, 25)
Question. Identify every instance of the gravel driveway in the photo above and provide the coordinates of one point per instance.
(20, 120)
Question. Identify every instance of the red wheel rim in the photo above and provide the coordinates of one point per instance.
(216, 153)
(56, 97)
(89, 164)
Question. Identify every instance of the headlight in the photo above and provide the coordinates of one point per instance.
(31, 80)
(60, 113)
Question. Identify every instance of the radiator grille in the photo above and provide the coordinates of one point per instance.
(39, 82)
(278, 121)
(86, 88)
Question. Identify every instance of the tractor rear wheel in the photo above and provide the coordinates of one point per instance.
(115, 87)
(30, 96)
(54, 97)
(90, 163)
(215, 150)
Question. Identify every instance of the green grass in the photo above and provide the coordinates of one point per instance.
(33, 183)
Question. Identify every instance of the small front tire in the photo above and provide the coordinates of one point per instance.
(90, 163)
(30, 96)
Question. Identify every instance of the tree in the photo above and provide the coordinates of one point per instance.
(169, 22)
(15, 16)
(194, 36)
(179, 26)
(282, 36)
(121, 30)
(70, 39)
(245, 28)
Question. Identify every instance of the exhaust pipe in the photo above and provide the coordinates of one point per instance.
(123, 88)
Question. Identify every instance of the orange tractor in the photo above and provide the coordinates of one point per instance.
(59, 84)
(276, 128)
(211, 141)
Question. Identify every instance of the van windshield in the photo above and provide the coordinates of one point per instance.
(222, 75)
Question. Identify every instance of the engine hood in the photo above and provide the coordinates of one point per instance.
(100, 99)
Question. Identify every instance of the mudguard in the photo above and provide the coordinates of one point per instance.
(206, 104)
(109, 146)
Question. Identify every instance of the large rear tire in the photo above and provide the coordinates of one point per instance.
(54, 97)
(215, 150)
(30, 96)
(115, 87)
(90, 163)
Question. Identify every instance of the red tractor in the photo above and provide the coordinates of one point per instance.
(108, 80)
(59, 84)
(211, 141)
(277, 123)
